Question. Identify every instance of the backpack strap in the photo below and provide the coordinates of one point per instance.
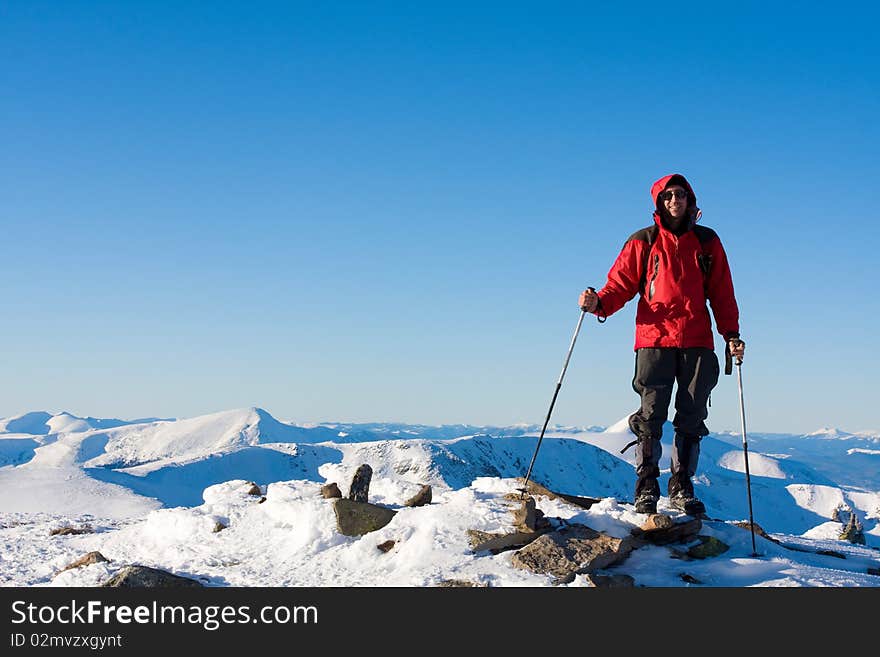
(705, 236)
(647, 235)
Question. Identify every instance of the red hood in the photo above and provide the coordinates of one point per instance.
(661, 184)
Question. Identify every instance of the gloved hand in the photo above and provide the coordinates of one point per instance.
(737, 348)
(588, 300)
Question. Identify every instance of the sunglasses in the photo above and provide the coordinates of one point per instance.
(673, 193)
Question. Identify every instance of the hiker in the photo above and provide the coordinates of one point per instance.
(675, 266)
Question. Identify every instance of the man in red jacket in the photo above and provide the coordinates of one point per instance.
(676, 267)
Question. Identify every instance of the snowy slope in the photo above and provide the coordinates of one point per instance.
(155, 490)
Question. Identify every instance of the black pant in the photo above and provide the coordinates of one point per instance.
(695, 370)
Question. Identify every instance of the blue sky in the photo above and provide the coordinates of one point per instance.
(385, 210)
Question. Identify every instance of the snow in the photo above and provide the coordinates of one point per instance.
(155, 492)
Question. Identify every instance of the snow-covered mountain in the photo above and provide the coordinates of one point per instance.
(42, 423)
(123, 474)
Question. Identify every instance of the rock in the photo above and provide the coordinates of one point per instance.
(537, 489)
(144, 577)
(87, 560)
(690, 579)
(218, 527)
(657, 521)
(709, 547)
(524, 517)
(758, 530)
(679, 554)
(609, 581)
(571, 551)
(330, 491)
(853, 531)
(67, 530)
(262, 499)
(874, 571)
(459, 583)
(386, 546)
(679, 532)
(831, 553)
(358, 518)
(421, 498)
(359, 491)
(481, 541)
(254, 489)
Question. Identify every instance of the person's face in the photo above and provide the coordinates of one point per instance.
(675, 200)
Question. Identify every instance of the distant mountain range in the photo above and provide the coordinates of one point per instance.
(797, 480)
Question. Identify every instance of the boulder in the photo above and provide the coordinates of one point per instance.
(358, 518)
(524, 516)
(330, 491)
(853, 531)
(573, 550)
(87, 560)
(595, 580)
(656, 521)
(386, 546)
(709, 546)
(481, 541)
(68, 530)
(421, 498)
(135, 576)
(678, 532)
(460, 583)
(359, 491)
(254, 489)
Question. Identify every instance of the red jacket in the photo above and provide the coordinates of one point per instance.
(673, 288)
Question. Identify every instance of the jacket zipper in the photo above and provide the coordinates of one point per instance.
(653, 276)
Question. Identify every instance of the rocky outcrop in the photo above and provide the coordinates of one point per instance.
(573, 550)
(359, 491)
(254, 489)
(144, 577)
(386, 546)
(421, 498)
(358, 518)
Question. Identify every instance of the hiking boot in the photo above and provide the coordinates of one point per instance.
(646, 503)
(647, 494)
(687, 503)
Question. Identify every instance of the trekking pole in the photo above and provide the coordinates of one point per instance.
(577, 330)
(742, 413)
